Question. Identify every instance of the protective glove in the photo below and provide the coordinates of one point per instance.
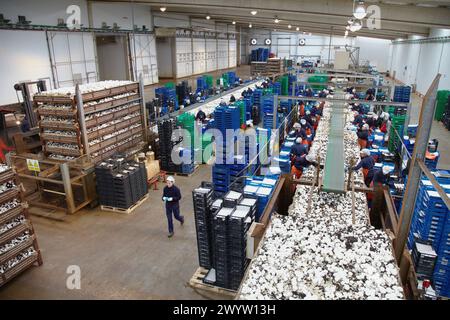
(164, 198)
(170, 199)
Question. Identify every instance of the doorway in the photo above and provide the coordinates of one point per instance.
(112, 55)
(165, 47)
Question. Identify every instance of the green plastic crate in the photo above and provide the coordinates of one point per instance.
(170, 85)
(441, 101)
(209, 81)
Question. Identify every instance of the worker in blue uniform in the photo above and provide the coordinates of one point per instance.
(363, 136)
(171, 197)
(307, 127)
(367, 163)
(382, 176)
(298, 149)
(300, 163)
(201, 116)
(358, 120)
(299, 132)
(308, 117)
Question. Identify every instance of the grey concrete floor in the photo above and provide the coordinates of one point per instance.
(438, 131)
(130, 256)
(120, 256)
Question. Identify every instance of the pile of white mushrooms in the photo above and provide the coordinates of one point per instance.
(323, 249)
(85, 88)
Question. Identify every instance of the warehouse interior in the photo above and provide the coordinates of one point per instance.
(313, 138)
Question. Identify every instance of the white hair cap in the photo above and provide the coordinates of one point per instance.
(170, 178)
(297, 125)
(365, 151)
(299, 140)
(365, 126)
(386, 169)
(303, 121)
(308, 112)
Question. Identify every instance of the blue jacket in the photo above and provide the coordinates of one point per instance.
(381, 178)
(366, 163)
(358, 120)
(300, 134)
(299, 149)
(363, 134)
(301, 162)
(172, 192)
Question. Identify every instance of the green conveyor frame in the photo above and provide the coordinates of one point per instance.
(334, 170)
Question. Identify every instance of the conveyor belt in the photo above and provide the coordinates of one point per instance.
(334, 171)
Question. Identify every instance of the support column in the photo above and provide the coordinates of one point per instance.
(415, 172)
(67, 187)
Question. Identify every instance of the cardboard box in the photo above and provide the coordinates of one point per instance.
(152, 167)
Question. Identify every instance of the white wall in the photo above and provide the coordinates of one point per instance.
(122, 14)
(419, 63)
(376, 51)
(24, 56)
(165, 63)
(108, 52)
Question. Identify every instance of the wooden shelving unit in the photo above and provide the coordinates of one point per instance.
(97, 124)
(12, 227)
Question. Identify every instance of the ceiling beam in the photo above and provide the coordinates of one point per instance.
(392, 13)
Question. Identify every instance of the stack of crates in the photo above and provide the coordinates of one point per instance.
(182, 90)
(398, 122)
(424, 259)
(441, 101)
(165, 131)
(431, 222)
(248, 107)
(239, 225)
(221, 178)
(402, 93)
(267, 109)
(277, 88)
(237, 171)
(209, 81)
(201, 84)
(206, 142)
(446, 115)
(221, 247)
(120, 184)
(231, 78)
(242, 110)
(167, 95)
(226, 117)
(203, 199)
(257, 97)
(285, 85)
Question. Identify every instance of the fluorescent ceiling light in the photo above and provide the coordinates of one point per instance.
(297, 29)
(276, 20)
(250, 25)
(234, 22)
(163, 9)
(356, 26)
(289, 26)
(346, 32)
(360, 11)
(208, 17)
(253, 12)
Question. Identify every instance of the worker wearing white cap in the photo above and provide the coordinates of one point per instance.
(299, 131)
(171, 197)
(367, 163)
(363, 136)
(300, 163)
(298, 149)
(381, 177)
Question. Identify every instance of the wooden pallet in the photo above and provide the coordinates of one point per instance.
(196, 282)
(122, 210)
(183, 174)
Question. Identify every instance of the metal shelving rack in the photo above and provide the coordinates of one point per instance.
(24, 226)
(83, 110)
